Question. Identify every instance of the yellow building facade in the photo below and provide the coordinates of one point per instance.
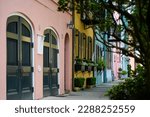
(83, 47)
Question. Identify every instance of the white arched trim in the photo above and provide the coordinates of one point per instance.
(53, 29)
(26, 18)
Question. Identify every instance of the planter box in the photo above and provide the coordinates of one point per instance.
(94, 68)
(89, 68)
(77, 89)
(82, 68)
(86, 68)
(79, 67)
(90, 81)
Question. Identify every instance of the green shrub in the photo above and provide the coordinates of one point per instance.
(101, 64)
(132, 88)
(79, 82)
(91, 81)
(123, 72)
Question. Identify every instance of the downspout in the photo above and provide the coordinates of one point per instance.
(73, 35)
(105, 73)
(94, 49)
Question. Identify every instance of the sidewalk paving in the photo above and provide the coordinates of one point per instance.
(95, 93)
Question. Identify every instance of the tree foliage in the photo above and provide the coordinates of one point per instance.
(131, 88)
(120, 24)
(124, 21)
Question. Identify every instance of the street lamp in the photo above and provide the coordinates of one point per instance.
(70, 25)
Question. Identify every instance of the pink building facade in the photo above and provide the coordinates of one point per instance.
(132, 63)
(116, 63)
(36, 49)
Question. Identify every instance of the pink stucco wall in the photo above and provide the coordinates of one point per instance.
(116, 63)
(132, 63)
(42, 14)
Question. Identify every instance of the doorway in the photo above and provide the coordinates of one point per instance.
(19, 59)
(66, 64)
(50, 64)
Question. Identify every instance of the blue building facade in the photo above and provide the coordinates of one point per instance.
(105, 75)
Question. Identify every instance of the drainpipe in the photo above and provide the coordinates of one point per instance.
(94, 49)
(73, 33)
(105, 73)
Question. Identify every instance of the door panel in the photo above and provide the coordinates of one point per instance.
(12, 68)
(26, 82)
(54, 84)
(46, 85)
(26, 54)
(54, 70)
(46, 70)
(12, 52)
(46, 57)
(12, 84)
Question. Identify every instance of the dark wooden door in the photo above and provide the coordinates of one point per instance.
(50, 68)
(19, 59)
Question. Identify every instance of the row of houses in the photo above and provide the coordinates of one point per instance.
(40, 47)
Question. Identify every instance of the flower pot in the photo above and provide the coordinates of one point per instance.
(77, 67)
(82, 68)
(89, 68)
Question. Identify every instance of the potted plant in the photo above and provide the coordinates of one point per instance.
(78, 83)
(90, 82)
(101, 64)
(79, 64)
(95, 65)
(87, 64)
(123, 74)
(84, 65)
(90, 66)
